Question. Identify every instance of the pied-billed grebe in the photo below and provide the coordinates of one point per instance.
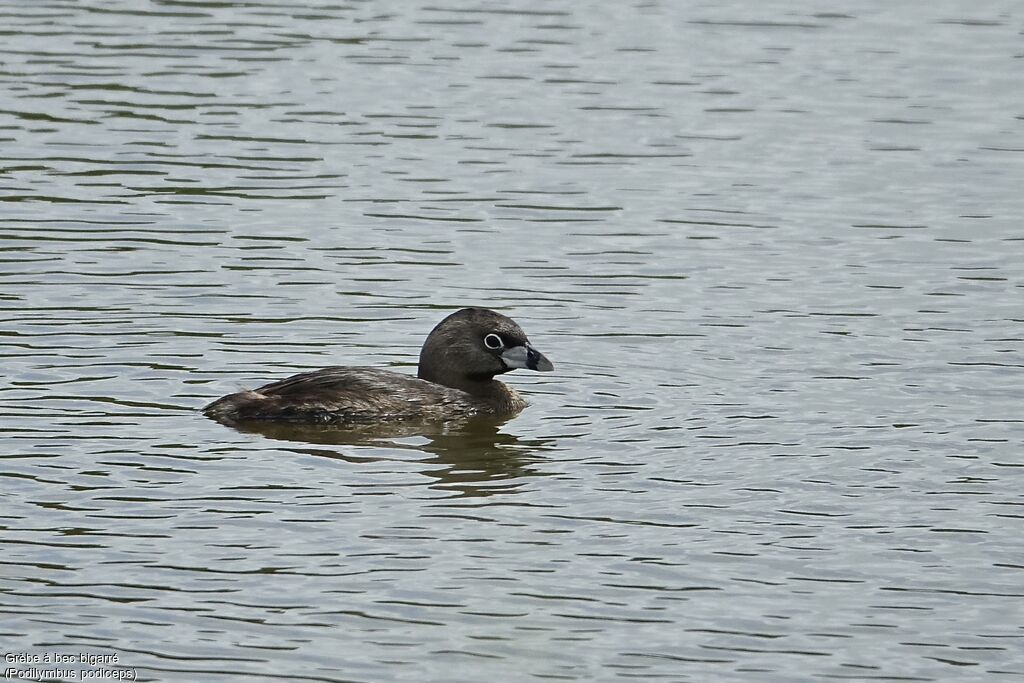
(458, 363)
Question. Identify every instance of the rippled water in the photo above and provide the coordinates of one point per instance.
(773, 250)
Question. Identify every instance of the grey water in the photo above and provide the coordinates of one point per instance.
(774, 250)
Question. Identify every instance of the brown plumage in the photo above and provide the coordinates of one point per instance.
(457, 366)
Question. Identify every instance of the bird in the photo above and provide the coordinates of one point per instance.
(455, 380)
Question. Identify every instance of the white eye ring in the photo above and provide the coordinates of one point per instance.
(493, 341)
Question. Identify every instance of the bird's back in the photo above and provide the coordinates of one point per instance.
(352, 395)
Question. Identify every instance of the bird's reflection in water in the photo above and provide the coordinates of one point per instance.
(474, 457)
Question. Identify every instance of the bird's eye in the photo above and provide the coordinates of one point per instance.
(493, 341)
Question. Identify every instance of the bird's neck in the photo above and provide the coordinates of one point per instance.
(498, 396)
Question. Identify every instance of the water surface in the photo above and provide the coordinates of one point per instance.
(773, 250)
